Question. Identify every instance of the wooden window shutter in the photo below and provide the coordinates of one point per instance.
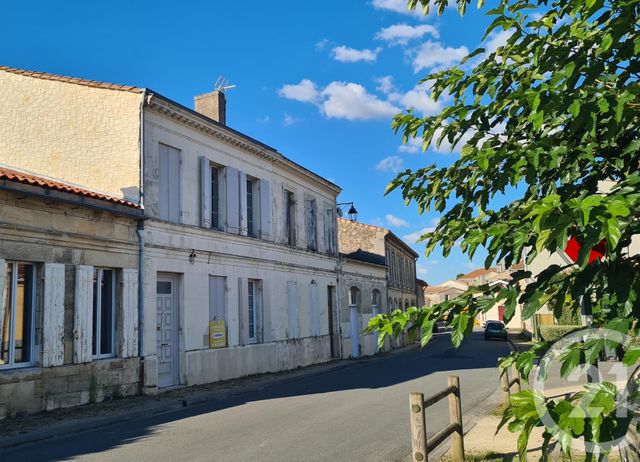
(83, 314)
(265, 209)
(292, 309)
(53, 315)
(242, 183)
(205, 192)
(233, 200)
(129, 314)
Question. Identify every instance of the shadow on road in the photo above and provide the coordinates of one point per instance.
(368, 373)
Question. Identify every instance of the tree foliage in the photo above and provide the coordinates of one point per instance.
(550, 121)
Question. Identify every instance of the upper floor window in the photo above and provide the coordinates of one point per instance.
(216, 173)
(289, 218)
(104, 309)
(312, 240)
(169, 194)
(253, 207)
(17, 314)
(330, 230)
(354, 296)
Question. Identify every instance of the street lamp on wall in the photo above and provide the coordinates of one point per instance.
(352, 212)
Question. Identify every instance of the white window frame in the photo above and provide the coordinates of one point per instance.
(354, 296)
(12, 314)
(97, 340)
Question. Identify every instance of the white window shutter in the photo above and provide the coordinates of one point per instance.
(242, 179)
(53, 315)
(315, 318)
(83, 314)
(292, 311)
(265, 209)
(205, 192)
(129, 314)
(233, 200)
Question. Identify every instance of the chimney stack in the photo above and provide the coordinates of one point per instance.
(212, 105)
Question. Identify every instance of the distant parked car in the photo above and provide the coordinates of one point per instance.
(484, 324)
(495, 329)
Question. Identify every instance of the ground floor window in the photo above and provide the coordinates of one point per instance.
(104, 307)
(17, 314)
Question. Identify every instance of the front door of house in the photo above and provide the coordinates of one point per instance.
(167, 331)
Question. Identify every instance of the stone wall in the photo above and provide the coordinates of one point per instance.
(353, 236)
(35, 389)
(76, 133)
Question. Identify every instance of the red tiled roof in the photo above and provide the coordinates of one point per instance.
(74, 80)
(27, 178)
(477, 273)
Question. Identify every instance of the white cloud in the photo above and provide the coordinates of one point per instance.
(385, 84)
(400, 6)
(351, 101)
(412, 238)
(420, 99)
(412, 146)
(422, 270)
(396, 222)
(432, 55)
(322, 44)
(401, 34)
(305, 91)
(390, 164)
(446, 147)
(263, 119)
(496, 40)
(289, 120)
(352, 55)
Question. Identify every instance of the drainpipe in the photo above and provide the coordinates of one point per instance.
(141, 241)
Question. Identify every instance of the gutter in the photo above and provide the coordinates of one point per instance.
(141, 266)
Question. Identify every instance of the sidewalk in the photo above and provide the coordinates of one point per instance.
(44, 425)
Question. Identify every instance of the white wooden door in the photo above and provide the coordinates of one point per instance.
(167, 331)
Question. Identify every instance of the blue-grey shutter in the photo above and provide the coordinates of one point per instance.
(82, 314)
(174, 185)
(53, 315)
(292, 309)
(242, 179)
(265, 209)
(315, 318)
(205, 192)
(163, 187)
(217, 298)
(233, 200)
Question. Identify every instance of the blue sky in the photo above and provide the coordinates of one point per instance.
(319, 81)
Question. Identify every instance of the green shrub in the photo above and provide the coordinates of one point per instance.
(553, 333)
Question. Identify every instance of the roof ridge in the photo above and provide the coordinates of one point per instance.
(72, 80)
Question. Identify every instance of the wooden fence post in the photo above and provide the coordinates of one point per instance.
(504, 382)
(418, 428)
(516, 375)
(455, 417)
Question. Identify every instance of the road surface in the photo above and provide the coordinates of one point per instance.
(354, 413)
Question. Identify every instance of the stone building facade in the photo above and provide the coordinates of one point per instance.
(239, 243)
(59, 247)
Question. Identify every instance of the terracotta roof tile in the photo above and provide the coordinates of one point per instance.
(477, 273)
(74, 80)
(27, 178)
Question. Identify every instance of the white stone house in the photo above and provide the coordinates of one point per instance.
(363, 291)
(68, 295)
(237, 240)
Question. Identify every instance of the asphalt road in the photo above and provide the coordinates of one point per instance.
(354, 413)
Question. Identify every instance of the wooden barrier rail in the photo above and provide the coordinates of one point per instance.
(508, 384)
(420, 447)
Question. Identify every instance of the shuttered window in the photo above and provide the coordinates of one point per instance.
(215, 196)
(251, 206)
(17, 314)
(169, 168)
(217, 299)
(289, 218)
(253, 310)
(104, 295)
(312, 240)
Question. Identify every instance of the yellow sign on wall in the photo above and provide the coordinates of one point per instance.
(217, 334)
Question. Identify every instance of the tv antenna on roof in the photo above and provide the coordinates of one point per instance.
(222, 84)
